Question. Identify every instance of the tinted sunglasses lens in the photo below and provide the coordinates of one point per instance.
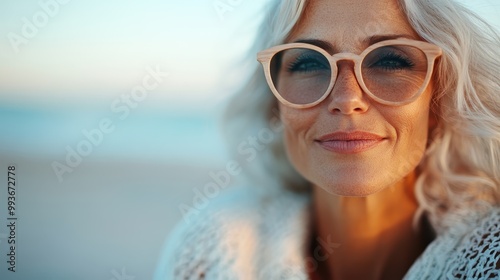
(395, 73)
(301, 76)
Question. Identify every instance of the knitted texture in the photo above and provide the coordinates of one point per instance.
(243, 235)
(467, 251)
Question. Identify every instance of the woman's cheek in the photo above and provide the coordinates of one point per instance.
(411, 128)
(298, 125)
(298, 120)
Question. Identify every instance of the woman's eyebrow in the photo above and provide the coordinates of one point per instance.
(320, 43)
(379, 38)
(367, 42)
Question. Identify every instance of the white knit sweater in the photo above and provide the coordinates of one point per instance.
(243, 234)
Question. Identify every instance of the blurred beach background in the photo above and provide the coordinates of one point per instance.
(67, 66)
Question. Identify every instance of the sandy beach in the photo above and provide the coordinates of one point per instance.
(106, 217)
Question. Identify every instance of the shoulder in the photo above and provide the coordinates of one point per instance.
(225, 239)
(469, 251)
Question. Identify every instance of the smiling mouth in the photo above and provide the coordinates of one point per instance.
(349, 142)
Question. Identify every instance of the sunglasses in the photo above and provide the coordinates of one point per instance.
(392, 72)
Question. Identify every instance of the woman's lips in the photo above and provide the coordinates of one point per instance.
(349, 142)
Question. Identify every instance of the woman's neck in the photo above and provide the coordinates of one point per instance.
(374, 233)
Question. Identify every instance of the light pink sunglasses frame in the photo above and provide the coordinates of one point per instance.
(431, 51)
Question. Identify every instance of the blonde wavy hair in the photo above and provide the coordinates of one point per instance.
(460, 170)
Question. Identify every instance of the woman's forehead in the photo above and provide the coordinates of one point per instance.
(348, 23)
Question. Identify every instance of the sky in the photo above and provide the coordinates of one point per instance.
(85, 51)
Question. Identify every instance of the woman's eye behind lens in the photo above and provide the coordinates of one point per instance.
(305, 61)
(307, 65)
(392, 62)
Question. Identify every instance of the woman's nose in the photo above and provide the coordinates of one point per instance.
(347, 96)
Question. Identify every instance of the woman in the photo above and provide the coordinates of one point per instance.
(389, 113)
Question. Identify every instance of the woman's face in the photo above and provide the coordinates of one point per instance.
(351, 168)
